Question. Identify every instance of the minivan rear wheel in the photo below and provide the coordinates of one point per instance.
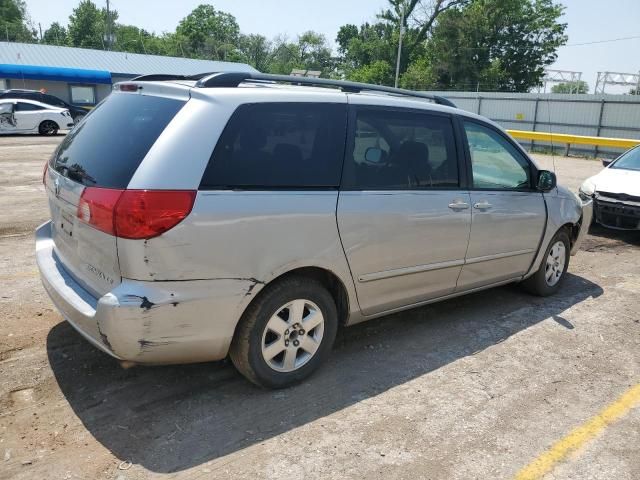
(286, 333)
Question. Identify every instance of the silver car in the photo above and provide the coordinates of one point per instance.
(252, 215)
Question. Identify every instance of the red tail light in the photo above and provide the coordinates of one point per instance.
(134, 214)
(97, 207)
(149, 213)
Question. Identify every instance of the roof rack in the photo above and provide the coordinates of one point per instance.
(233, 79)
(165, 77)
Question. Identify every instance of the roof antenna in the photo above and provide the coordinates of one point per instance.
(553, 153)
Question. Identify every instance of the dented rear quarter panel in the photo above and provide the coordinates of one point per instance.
(253, 236)
(171, 322)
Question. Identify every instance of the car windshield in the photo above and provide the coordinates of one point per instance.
(629, 160)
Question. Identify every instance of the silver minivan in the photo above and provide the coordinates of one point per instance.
(252, 215)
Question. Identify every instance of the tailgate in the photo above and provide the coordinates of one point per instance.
(89, 255)
(101, 154)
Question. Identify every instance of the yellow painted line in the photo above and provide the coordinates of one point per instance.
(579, 436)
(574, 139)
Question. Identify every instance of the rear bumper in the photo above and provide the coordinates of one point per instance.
(147, 322)
(585, 222)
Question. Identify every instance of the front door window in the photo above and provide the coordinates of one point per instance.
(496, 164)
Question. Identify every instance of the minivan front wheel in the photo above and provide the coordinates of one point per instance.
(286, 333)
(547, 280)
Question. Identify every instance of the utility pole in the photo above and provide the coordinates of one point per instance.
(108, 42)
(400, 44)
(40, 27)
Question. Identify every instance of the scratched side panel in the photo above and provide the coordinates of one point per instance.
(171, 322)
(243, 235)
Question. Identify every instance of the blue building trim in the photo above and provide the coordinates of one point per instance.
(56, 74)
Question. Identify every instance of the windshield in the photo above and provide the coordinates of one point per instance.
(629, 160)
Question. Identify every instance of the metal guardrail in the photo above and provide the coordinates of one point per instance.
(574, 139)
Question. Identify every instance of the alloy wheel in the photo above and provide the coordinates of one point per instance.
(292, 335)
(555, 263)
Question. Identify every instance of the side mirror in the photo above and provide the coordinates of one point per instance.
(374, 155)
(606, 162)
(546, 181)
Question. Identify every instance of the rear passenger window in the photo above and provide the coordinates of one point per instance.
(279, 145)
(400, 150)
(27, 107)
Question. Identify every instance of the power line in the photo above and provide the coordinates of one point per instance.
(487, 47)
(602, 41)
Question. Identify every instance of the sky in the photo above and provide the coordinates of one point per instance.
(588, 21)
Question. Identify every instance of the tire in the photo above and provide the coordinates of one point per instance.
(48, 127)
(275, 311)
(553, 270)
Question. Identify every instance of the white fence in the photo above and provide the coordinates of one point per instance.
(615, 116)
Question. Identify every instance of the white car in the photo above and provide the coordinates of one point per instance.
(29, 116)
(616, 192)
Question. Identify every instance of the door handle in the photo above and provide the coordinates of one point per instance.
(458, 205)
(482, 205)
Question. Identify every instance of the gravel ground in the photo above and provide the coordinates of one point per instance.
(476, 387)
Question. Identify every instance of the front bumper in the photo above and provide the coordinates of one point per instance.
(585, 222)
(147, 322)
(617, 214)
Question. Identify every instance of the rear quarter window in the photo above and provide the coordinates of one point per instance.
(107, 147)
(279, 145)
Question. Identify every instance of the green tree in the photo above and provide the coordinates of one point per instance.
(210, 33)
(284, 56)
(378, 42)
(378, 73)
(496, 44)
(313, 51)
(56, 34)
(256, 51)
(129, 38)
(15, 25)
(309, 52)
(419, 76)
(87, 25)
(169, 44)
(360, 46)
(420, 16)
(364, 46)
(571, 87)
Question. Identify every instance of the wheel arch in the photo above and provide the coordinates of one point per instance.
(563, 212)
(330, 280)
(572, 230)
